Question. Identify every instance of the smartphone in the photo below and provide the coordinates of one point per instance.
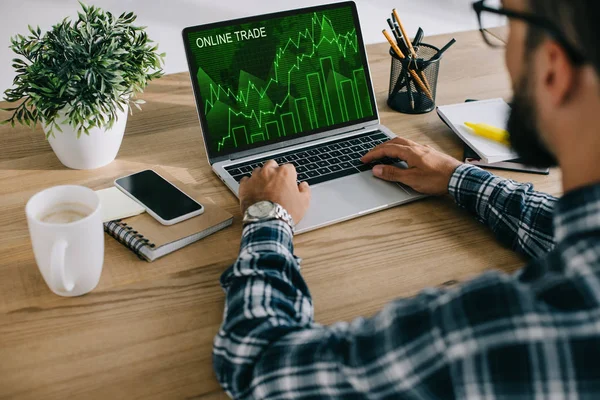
(161, 199)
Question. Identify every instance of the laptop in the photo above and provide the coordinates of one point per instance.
(295, 87)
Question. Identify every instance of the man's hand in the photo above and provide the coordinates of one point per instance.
(429, 171)
(277, 184)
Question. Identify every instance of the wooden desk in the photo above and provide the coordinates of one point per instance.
(146, 331)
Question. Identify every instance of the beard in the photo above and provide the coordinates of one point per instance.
(525, 138)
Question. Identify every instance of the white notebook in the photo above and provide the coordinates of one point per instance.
(494, 112)
(116, 205)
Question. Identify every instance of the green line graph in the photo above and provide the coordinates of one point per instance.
(306, 73)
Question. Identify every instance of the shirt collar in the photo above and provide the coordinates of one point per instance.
(578, 212)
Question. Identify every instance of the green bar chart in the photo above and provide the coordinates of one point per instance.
(314, 79)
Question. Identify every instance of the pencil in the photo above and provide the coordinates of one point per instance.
(412, 73)
(409, 45)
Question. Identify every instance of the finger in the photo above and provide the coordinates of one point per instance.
(304, 187)
(289, 167)
(402, 141)
(256, 170)
(305, 190)
(392, 174)
(270, 164)
(289, 170)
(244, 179)
(390, 150)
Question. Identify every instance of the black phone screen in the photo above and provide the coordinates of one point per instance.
(158, 195)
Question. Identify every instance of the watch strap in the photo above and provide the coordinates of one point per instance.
(279, 213)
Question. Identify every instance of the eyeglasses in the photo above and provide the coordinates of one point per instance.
(482, 10)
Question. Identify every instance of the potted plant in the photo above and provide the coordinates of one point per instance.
(79, 80)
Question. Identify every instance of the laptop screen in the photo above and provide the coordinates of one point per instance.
(278, 77)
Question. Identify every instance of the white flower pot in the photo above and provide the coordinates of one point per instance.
(95, 150)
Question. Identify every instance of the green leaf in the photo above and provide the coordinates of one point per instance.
(83, 66)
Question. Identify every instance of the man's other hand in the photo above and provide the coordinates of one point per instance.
(276, 183)
(429, 171)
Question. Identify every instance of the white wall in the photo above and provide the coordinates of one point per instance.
(166, 18)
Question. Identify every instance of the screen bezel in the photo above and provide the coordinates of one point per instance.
(305, 137)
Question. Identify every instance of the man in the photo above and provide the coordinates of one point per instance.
(532, 335)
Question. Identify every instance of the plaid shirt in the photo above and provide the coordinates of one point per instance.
(532, 335)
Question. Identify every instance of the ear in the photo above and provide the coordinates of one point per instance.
(556, 73)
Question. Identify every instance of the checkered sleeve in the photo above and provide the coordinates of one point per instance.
(266, 298)
(519, 216)
(269, 346)
(499, 336)
(521, 336)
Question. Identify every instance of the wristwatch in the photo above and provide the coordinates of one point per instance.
(267, 211)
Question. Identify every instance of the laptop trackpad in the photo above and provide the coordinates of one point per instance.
(350, 197)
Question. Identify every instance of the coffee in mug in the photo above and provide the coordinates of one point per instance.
(65, 213)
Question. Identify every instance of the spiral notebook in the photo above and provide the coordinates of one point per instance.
(149, 239)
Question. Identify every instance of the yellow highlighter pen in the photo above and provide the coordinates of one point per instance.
(490, 132)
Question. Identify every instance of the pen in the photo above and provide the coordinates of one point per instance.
(401, 42)
(490, 132)
(418, 38)
(399, 84)
(416, 78)
(443, 49)
(410, 92)
(391, 24)
(397, 35)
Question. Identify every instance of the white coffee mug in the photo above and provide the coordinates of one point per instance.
(69, 254)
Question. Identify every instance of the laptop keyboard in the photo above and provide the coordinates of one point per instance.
(324, 162)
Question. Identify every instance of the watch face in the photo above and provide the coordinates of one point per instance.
(261, 209)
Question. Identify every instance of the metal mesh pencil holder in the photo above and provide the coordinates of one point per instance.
(413, 98)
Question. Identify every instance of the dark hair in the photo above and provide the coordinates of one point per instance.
(576, 19)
